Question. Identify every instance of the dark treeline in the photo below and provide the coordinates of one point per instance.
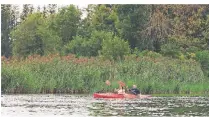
(166, 29)
(108, 31)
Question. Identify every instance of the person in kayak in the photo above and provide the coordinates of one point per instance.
(121, 89)
(134, 90)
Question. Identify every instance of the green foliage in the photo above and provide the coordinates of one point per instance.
(153, 54)
(181, 57)
(206, 34)
(52, 8)
(26, 11)
(88, 47)
(203, 58)
(140, 53)
(85, 28)
(193, 49)
(170, 49)
(115, 48)
(104, 18)
(147, 53)
(66, 23)
(131, 21)
(68, 74)
(76, 46)
(34, 37)
(9, 17)
(96, 40)
(188, 20)
(178, 46)
(116, 32)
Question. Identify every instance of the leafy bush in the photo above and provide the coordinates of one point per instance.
(153, 54)
(147, 53)
(115, 49)
(171, 49)
(177, 47)
(77, 46)
(181, 57)
(87, 47)
(203, 58)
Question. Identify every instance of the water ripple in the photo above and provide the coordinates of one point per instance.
(85, 105)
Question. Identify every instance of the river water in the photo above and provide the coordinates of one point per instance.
(86, 105)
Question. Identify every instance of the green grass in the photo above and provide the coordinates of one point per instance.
(67, 74)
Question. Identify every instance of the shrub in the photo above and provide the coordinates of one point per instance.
(115, 49)
(203, 58)
(171, 49)
(87, 47)
(153, 54)
(77, 46)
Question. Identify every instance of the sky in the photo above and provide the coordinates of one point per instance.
(81, 6)
(105, 1)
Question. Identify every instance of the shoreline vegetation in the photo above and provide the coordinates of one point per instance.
(71, 74)
(163, 49)
(90, 94)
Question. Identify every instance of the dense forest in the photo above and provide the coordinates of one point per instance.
(51, 49)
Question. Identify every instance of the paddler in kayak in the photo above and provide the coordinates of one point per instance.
(135, 91)
(121, 89)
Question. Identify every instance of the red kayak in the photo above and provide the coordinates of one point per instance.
(115, 95)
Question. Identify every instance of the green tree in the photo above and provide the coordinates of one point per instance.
(88, 46)
(188, 20)
(158, 27)
(86, 27)
(52, 8)
(66, 23)
(104, 18)
(31, 9)
(34, 37)
(115, 48)
(9, 16)
(44, 11)
(132, 20)
(25, 11)
(203, 58)
(187, 24)
(206, 34)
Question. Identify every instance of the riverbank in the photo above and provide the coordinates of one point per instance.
(69, 74)
(91, 94)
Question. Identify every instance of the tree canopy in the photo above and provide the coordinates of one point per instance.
(171, 30)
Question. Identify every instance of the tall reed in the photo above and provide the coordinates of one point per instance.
(68, 74)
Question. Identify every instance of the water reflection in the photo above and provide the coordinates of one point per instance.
(85, 105)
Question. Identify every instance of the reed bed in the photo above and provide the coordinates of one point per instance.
(69, 74)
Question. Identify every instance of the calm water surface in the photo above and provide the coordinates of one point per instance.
(86, 105)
